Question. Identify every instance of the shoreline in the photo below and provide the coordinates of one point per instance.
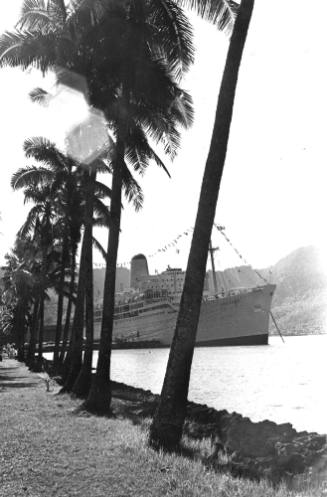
(255, 450)
(50, 447)
(49, 346)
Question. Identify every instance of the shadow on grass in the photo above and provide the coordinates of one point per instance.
(8, 385)
(16, 376)
(8, 368)
(5, 378)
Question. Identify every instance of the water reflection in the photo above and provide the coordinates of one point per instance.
(281, 382)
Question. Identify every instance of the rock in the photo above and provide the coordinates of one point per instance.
(293, 463)
(255, 439)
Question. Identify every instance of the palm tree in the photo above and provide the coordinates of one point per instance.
(77, 372)
(152, 105)
(57, 171)
(18, 294)
(167, 425)
(82, 383)
(81, 39)
(99, 396)
(137, 153)
(30, 358)
(41, 223)
(67, 191)
(84, 302)
(67, 328)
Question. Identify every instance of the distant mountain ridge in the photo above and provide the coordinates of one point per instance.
(300, 301)
(297, 274)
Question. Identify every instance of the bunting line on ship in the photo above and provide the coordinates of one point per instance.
(175, 244)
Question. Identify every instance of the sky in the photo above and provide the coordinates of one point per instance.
(272, 198)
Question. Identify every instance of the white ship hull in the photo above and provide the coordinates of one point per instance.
(237, 319)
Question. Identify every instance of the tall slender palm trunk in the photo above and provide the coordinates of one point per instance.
(65, 357)
(30, 359)
(99, 398)
(64, 257)
(75, 356)
(19, 331)
(167, 426)
(83, 382)
(41, 333)
(67, 326)
(44, 246)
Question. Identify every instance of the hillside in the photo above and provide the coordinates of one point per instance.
(300, 301)
(122, 281)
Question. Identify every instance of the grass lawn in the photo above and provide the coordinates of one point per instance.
(47, 449)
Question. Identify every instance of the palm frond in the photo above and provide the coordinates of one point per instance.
(136, 159)
(222, 13)
(43, 51)
(24, 49)
(35, 194)
(132, 189)
(101, 210)
(43, 150)
(35, 15)
(100, 222)
(30, 176)
(163, 131)
(40, 96)
(29, 5)
(172, 34)
(30, 223)
(58, 9)
(159, 105)
(94, 8)
(181, 109)
(103, 167)
(102, 190)
(139, 152)
(99, 247)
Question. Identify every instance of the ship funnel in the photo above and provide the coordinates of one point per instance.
(139, 270)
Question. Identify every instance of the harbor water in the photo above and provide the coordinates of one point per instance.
(283, 382)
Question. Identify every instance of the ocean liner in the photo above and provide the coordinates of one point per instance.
(145, 316)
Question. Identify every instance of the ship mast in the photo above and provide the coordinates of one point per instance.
(212, 250)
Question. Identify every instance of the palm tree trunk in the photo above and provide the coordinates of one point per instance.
(99, 398)
(60, 301)
(19, 331)
(68, 332)
(75, 357)
(167, 426)
(41, 330)
(68, 311)
(65, 359)
(44, 246)
(82, 384)
(30, 360)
